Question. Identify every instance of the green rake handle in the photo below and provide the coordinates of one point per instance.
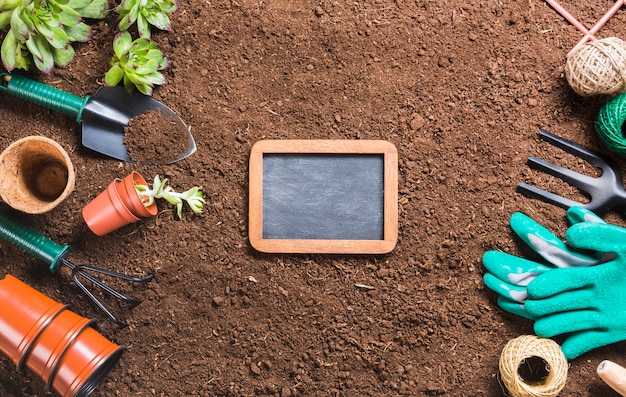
(33, 242)
(44, 95)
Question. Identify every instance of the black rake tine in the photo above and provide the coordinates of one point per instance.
(573, 178)
(81, 270)
(574, 148)
(546, 196)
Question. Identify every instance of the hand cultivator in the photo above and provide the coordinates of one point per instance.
(55, 256)
(606, 191)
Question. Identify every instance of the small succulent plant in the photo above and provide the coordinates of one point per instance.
(138, 63)
(45, 30)
(194, 197)
(145, 13)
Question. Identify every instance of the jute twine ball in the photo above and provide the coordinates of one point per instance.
(517, 353)
(598, 67)
(609, 123)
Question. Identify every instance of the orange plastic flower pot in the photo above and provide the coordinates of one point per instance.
(53, 341)
(24, 314)
(57, 344)
(107, 212)
(85, 363)
(131, 198)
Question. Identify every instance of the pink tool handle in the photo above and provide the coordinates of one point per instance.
(590, 34)
(569, 17)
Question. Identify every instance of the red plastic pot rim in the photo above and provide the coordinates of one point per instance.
(70, 338)
(27, 347)
(85, 364)
(19, 331)
(118, 204)
(135, 204)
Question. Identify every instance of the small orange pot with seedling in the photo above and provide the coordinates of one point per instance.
(57, 344)
(130, 199)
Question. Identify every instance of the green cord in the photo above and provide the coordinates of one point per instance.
(609, 124)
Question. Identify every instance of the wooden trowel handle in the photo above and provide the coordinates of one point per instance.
(44, 95)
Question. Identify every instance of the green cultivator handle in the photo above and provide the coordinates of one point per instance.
(44, 95)
(55, 256)
(33, 242)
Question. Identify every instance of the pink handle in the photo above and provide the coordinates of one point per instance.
(589, 36)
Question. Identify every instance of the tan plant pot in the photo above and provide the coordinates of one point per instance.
(37, 175)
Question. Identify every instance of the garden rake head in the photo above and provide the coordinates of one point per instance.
(56, 256)
(606, 192)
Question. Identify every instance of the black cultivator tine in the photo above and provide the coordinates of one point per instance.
(606, 191)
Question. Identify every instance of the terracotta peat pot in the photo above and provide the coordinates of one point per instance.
(37, 174)
(61, 346)
(117, 206)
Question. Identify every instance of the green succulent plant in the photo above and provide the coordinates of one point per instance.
(138, 63)
(194, 197)
(145, 13)
(45, 30)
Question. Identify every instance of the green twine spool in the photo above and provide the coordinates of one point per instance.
(609, 124)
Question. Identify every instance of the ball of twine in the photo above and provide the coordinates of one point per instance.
(609, 123)
(517, 351)
(598, 67)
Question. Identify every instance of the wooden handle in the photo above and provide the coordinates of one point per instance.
(613, 375)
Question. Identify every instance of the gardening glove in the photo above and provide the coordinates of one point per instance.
(586, 303)
(508, 275)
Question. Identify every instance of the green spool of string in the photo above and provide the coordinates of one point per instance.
(609, 124)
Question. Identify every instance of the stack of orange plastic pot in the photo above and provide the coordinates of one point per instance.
(57, 344)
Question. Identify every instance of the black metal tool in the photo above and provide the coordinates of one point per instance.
(103, 116)
(56, 255)
(606, 192)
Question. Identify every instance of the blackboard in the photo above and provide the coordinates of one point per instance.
(323, 196)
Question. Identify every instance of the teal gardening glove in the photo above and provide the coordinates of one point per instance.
(509, 275)
(586, 303)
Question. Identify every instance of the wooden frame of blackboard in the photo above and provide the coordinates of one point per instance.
(325, 147)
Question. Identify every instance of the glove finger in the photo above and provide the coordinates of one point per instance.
(509, 291)
(513, 307)
(565, 322)
(582, 342)
(558, 281)
(578, 214)
(546, 244)
(602, 237)
(512, 269)
(567, 301)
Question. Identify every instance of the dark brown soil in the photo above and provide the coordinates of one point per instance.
(461, 89)
(154, 138)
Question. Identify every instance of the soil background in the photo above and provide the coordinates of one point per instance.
(461, 89)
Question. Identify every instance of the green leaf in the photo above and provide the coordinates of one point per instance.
(159, 20)
(96, 9)
(5, 18)
(19, 27)
(22, 59)
(9, 4)
(9, 50)
(69, 16)
(63, 56)
(76, 4)
(45, 62)
(143, 27)
(122, 44)
(36, 47)
(114, 76)
(55, 36)
(81, 32)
